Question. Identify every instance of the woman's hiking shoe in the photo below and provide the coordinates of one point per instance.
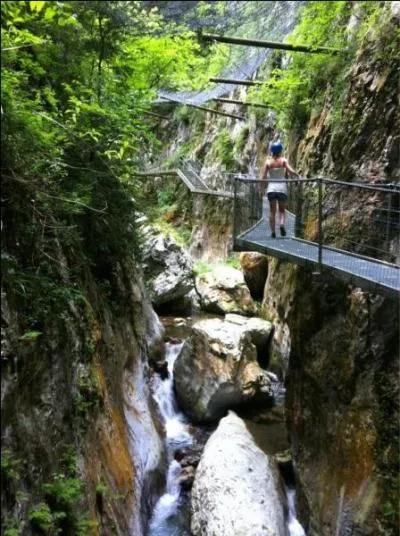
(273, 235)
(283, 230)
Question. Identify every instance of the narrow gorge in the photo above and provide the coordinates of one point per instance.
(159, 379)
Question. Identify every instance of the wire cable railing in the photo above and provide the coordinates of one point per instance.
(256, 19)
(362, 219)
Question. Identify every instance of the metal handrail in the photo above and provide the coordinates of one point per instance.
(381, 216)
(390, 189)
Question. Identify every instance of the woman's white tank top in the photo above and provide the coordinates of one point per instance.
(277, 173)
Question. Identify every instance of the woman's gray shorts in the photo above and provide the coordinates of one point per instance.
(277, 196)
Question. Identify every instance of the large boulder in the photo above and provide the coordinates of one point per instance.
(237, 489)
(255, 270)
(168, 270)
(224, 291)
(218, 368)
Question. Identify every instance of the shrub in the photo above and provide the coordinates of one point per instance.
(223, 150)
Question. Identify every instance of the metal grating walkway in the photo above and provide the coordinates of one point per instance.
(189, 173)
(367, 273)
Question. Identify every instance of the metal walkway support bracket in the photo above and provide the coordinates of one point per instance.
(154, 114)
(236, 81)
(239, 117)
(269, 44)
(160, 173)
(233, 101)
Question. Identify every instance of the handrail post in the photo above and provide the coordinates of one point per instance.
(320, 237)
(235, 181)
(387, 233)
(298, 205)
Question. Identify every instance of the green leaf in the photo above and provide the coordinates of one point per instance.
(36, 6)
(30, 335)
(49, 13)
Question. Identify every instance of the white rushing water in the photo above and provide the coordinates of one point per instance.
(176, 424)
(167, 518)
(177, 436)
(294, 527)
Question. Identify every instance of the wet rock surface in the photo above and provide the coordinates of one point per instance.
(218, 369)
(255, 270)
(235, 477)
(224, 291)
(168, 270)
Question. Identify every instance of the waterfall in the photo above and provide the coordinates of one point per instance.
(176, 424)
(171, 516)
(166, 516)
(294, 527)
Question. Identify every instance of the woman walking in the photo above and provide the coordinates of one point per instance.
(274, 173)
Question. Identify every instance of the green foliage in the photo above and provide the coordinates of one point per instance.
(154, 58)
(295, 91)
(76, 77)
(172, 211)
(241, 140)
(30, 335)
(10, 467)
(194, 119)
(43, 520)
(266, 314)
(60, 512)
(166, 197)
(11, 475)
(298, 91)
(63, 492)
(202, 267)
(87, 398)
(233, 261)
(386, 451)
(101, 489)
(389, 512)
(179, 233)
(11, 532)
(223, 149)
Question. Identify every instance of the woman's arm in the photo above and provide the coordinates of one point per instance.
(290, 169)
(265, 171)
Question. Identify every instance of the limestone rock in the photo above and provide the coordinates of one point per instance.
(218, 369)
(395, 9)
(168, 270)
(224, 291)
(237, 489)
(255, 270)
(187, 476)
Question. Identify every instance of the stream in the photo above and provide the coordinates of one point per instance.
(171, 514)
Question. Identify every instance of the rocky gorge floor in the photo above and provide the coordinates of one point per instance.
(228, 449)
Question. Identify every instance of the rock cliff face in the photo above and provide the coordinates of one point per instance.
(227, 147)
(336, 345)
(342, 402)
(78, 426)
(224, 147)
(342, 375)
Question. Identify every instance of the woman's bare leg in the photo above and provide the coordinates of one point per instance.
(282, 216)
(272, 212)
(282, 213)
